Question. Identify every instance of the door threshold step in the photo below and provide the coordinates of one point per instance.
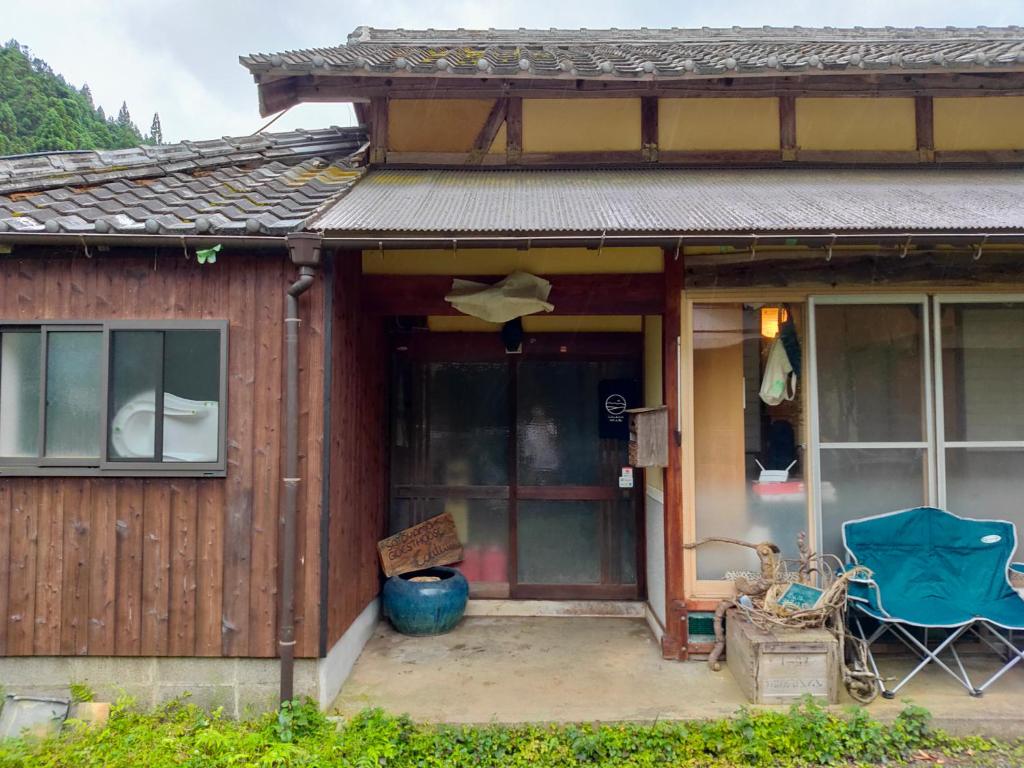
(621, 609)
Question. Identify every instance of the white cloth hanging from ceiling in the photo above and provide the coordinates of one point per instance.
(517, 295)
(779, 382)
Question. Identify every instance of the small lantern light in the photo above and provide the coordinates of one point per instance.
(771, 319)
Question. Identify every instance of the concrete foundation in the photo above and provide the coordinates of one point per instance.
(243, 687)
(609, 669)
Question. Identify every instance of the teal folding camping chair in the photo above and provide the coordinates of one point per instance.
(933, 570)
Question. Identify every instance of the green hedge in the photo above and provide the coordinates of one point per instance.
(181, 734)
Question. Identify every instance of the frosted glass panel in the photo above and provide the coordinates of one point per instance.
(559, 542)
(450, 424)
(558, 430)
(983, 371)
(986, 483)
(73, 396)
(736, 433)
(19, 393)
(860, 483)
(134, 381)
(870, 373)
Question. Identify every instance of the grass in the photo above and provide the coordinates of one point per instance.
(181, 734)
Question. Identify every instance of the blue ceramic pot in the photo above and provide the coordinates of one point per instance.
(425, 607)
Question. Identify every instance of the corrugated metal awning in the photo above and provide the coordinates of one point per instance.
(675, 201)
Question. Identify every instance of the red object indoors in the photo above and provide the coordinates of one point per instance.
(472, 563)
(495, 564)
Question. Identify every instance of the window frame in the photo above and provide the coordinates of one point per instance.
(102, 465)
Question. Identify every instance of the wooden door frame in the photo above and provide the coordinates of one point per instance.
(430, 346)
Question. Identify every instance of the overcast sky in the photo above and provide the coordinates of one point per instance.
(180, 57)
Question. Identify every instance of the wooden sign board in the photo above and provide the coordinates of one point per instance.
(432, 542)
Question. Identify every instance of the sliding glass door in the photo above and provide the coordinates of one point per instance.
(979, 361)
(917, 400)
(871, 392)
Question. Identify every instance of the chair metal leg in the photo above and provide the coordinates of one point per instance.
(1018, 655)
(956, 656)
(930, 656)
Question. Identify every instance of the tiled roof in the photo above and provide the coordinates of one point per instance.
(262, 184)
(675, 202)
(653, 53)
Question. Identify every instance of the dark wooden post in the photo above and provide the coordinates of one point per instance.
(649, 128)
(379, 130)
(514, 130)
(925, 125)
(787, 126)
(674, 643)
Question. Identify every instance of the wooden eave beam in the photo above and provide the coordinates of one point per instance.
(328, 88)
(604, 294)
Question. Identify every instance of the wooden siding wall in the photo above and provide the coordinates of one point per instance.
(359, 449)
(156, 566)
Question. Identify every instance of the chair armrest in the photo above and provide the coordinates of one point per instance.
(1017, 567)
(864, 589)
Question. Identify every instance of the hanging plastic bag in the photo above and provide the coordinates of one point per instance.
(517, 295)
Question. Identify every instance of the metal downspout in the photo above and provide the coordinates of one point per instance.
(286, 631)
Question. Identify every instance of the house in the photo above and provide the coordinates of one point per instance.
(807, 244)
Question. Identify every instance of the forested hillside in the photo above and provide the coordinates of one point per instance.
(40, 111)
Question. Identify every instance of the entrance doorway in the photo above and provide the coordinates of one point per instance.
(513, 447)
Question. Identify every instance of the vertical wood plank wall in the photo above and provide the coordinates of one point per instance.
(158, 566)
(359, 454)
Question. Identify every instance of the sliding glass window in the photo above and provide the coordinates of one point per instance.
(117, 397)
(979, 353)
(872, 404)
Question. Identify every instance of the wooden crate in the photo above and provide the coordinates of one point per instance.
(781, 666)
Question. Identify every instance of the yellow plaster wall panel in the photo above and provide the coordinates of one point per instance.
(718, 124)
(542, 324)
(979, 122)
(867, 124)
(581, 125)
(436, 125)
(503, 261)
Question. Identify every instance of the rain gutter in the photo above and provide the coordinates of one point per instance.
(304, 249)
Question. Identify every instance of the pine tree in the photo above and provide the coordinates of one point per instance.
(87, 93)
(101, 114)
(123, 117)
(156, 134)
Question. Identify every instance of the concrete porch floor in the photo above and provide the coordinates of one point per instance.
(512, 670)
